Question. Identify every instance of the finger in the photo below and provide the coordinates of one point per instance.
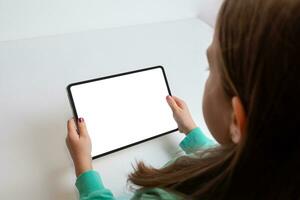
(179, 102)
(69, 146)
(172, 103)
(82, 127)
(72, 133)
(68, 143)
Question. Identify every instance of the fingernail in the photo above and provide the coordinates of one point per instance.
(80, 119)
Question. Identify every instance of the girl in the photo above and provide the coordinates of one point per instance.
(251, 105)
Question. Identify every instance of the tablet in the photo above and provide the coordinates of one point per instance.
(124, 109)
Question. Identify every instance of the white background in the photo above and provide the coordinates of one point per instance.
(34, 73)
(30, 18)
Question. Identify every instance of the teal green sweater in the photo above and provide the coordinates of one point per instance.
(91, 187)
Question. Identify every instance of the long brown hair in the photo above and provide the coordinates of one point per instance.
(259, 59)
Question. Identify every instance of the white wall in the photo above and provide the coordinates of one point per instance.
(21, 19)
(34, 74)
(35, 163)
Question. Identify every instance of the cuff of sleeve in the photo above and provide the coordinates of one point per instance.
(88, 182)
(194, 140)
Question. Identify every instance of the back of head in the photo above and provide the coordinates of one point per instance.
(259, 51)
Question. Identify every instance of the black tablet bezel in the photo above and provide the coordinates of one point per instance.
(70, 97)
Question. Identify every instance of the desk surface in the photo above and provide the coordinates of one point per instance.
(34, 105)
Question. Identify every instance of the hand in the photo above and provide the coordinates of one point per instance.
(181, 114)
(79, 145)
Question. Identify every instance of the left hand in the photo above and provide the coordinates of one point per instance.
(79, 145)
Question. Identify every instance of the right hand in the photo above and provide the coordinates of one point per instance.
(181, 114)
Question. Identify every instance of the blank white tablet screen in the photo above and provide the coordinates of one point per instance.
(124, 109)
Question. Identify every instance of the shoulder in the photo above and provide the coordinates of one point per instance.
(155, 193)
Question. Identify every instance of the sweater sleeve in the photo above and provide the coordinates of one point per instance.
(194, 140)
(90, 187)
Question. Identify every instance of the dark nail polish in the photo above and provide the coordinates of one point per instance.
(80, 119)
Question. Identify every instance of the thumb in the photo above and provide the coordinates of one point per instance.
(82, 127)
(181, 104)
(172, 103)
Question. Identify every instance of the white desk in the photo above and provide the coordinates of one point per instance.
(34, 106)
